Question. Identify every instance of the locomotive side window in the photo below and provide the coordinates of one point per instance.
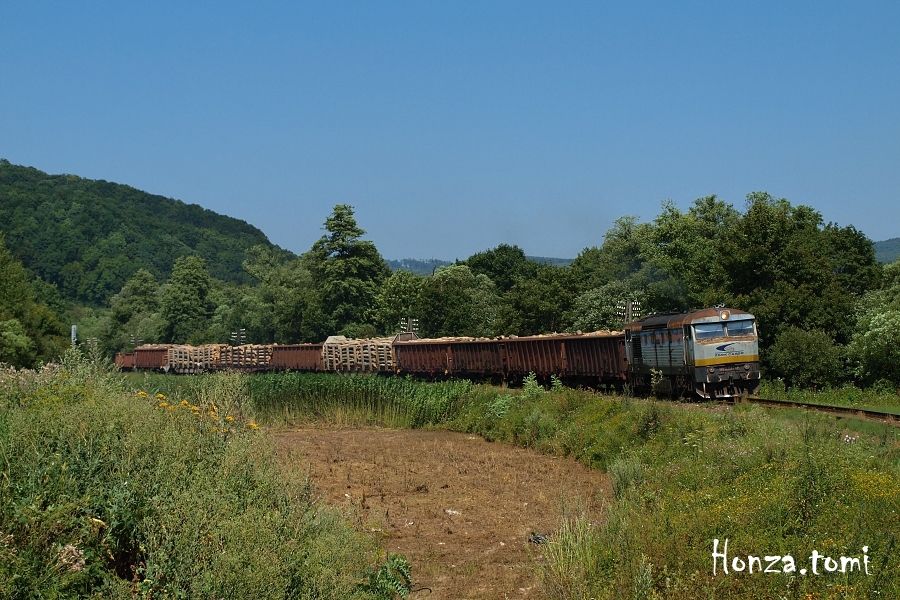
(740, 328)
(708, 331)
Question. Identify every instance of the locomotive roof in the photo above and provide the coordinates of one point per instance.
(677, 320)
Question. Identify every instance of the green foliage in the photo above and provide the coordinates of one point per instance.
(689, 248)
(88, 237)
(683, 476)
(393, 579)
(875, 347)
(290, 397)
(626, 472)
(790, 271)
(505, 265)
(285, 306)
(16, 348)
(806, 358)
(110, 494)
(598, 308)
(185, 306)
(455, 301)
(531, 387)
(882, 395)
(29, 330)
(397, 299)
(134, 313)
(539, 302)
(348, 270)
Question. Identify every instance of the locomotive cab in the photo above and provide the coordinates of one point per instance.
(724, 349)
(711, 353)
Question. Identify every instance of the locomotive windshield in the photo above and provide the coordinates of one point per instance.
(740, 328)
(708, 331)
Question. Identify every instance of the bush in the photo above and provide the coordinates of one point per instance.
(121, 495)
(806, 358)
(876, 348)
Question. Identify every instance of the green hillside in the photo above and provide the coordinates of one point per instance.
(888, 250)
(89, 236)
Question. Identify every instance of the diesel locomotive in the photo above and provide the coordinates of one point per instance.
(711, 353)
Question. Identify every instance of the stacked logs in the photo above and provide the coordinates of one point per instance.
(358, 356)
(249, 357)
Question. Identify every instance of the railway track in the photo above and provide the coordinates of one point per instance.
(866, 413)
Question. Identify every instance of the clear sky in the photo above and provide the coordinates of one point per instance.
(455, 126)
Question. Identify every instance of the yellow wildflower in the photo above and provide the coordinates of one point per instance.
(163, 404)
(160, 396)
(252, 425)
(141, 394)
(183, 403)
(229, 418)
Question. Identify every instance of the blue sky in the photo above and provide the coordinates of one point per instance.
(452, 127)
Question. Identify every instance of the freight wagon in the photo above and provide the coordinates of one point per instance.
(588, 358)
(297, 357)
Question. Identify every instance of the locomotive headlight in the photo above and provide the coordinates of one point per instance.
(747, 366)
(711, 369)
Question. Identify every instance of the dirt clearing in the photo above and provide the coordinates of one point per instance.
(459, 508)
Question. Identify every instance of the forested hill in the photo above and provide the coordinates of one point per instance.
(89, 236)
(887, 250)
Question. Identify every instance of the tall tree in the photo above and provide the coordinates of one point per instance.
(29, 330)
(455, 301)
(686, 249)
(397, 299)
(185, 305)
(504, 265)
(347, 269)
(134, 313)
(599, 308)
(538, 303)
(875, 346)
(789, 270)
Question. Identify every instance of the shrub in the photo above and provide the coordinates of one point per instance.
(806, 358)
(876, 348)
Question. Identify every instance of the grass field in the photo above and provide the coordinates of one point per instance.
(772, 482)
(848, 395)
(108, 491)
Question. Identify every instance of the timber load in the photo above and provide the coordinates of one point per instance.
(370, 355)
(248, 357)
(194, 359)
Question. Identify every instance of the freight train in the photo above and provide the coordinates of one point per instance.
(711, 353)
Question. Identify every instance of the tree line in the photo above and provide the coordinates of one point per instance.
(827, 311)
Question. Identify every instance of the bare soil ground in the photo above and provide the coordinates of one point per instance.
(461, 509)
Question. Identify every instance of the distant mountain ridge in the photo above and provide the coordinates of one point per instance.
(427, 266)
(887, 250)
(89, 236)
